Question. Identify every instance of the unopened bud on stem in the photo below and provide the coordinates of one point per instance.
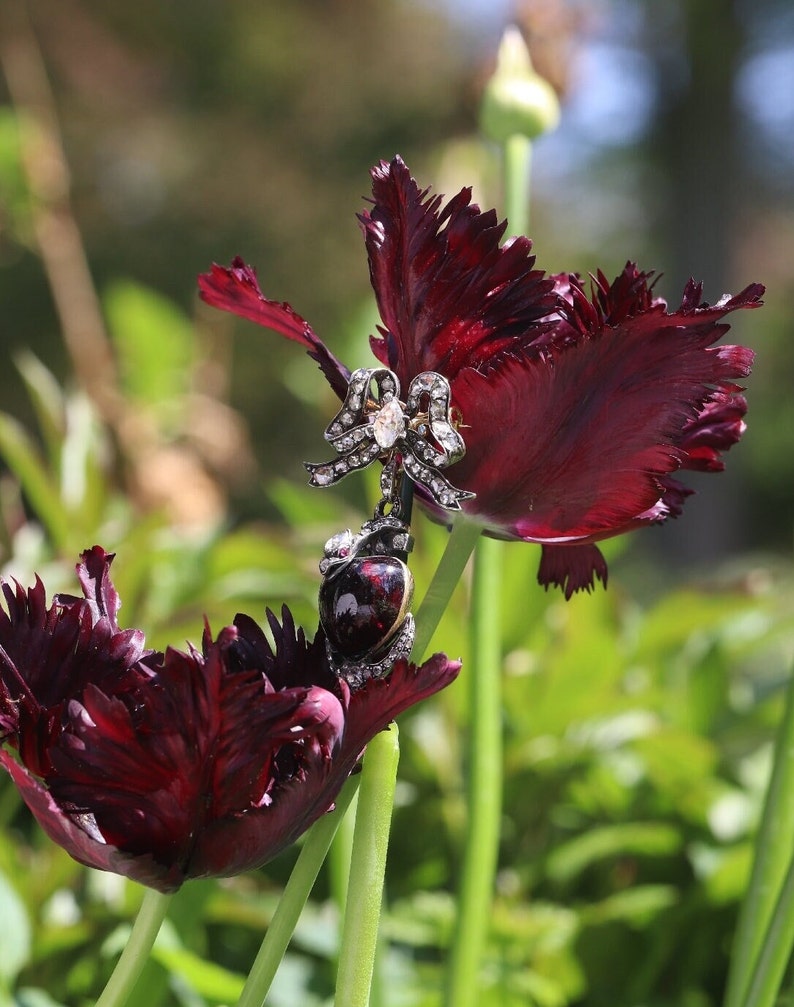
(517, 100)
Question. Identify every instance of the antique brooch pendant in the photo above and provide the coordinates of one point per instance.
(367, 587)
(365, 597)
(375, 424)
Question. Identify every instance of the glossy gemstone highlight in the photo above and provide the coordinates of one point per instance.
(363, 606)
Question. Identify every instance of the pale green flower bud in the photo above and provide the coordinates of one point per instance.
(517, 100)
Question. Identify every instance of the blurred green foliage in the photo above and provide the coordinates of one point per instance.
(637, 747)
(638, 721)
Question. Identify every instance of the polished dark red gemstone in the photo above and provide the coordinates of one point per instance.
(363, 606)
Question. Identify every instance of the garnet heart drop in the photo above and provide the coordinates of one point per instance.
(364, 604)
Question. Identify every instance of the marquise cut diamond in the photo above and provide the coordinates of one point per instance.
(389, 424)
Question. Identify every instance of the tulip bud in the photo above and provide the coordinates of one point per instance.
(517, 100)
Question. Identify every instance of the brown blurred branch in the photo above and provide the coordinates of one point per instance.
(159, 474)
(58, 238)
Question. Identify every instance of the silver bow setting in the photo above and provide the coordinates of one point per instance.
(374, 423)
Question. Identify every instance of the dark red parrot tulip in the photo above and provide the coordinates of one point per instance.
(164, 767)
(577, 405)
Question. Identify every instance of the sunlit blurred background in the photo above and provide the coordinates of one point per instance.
(196, 130)
(140, 142)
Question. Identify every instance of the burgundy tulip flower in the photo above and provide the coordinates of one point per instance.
(577, 406)
(164, 767)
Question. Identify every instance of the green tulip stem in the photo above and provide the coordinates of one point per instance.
(296, 892)
(483, 746)
(775, 950)
(136, 952)
(339, 857)
(517, 154)
(460, 546)
(482, 674)
(367, 870)
(373, 818)
(771, 873)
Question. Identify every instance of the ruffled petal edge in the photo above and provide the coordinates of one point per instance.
(572, 568)
(236, 289)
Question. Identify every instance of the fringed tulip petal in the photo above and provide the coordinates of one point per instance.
(187, 764)
(577, 403)
(236, 289)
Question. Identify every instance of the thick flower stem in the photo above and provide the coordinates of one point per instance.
(483, 779)
(136, 953)
(483, 674)
(367, 870)
(767, 904)
(339, 856)
(775, 950)
(460, 546)
(296, 892)
(517, 155)
(373, 818)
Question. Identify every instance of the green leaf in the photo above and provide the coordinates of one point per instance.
(22, 457)
(14, 194)
(209, 980)
(775, 952)
(299, 507)
(680, 765)
(16, 932)
(47, 398)
(638, 906)
(766, 921)
(155, 344)
(680, 615)
(32, 996)
(638, 839)
(727, 882)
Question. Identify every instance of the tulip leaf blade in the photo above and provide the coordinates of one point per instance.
(206, 978)
(16, 932)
